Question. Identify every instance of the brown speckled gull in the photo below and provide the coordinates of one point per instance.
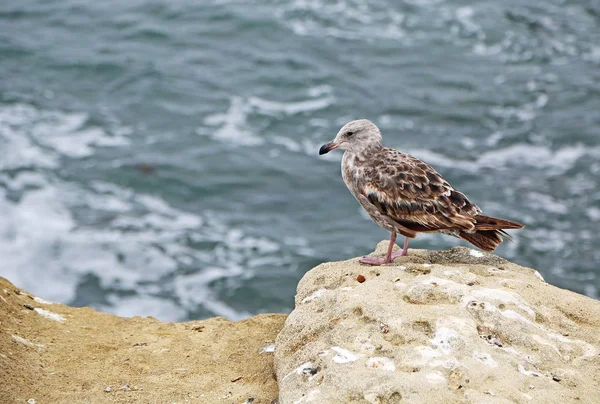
(405, 195)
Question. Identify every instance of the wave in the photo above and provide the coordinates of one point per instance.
(345, 19)
(234, 129)
(518, 155)
(56, 233)
(38, 138)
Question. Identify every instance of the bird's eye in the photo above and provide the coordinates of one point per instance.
(349, 133)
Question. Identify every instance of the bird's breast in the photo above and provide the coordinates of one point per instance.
(352, 172)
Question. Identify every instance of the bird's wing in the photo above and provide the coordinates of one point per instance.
(413, 194)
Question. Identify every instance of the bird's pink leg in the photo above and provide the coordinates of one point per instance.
(388, 257)
(402, 252)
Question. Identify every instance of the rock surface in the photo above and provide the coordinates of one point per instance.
(51, 353)
(457, 326)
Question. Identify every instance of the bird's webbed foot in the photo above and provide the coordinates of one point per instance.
(374, 260)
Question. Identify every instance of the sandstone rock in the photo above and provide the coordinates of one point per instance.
(51, 353)
(457, 326)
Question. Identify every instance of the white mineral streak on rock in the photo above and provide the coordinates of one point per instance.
(381, 363)
(25, 342)
(516, 316)
(476, 254)
(499, 295)
(486, 359)
(367, 346)
(520, 355)
(426, 354)
(314, 295)
(528, 372)
(302, 369)
(439, 281)
(50, 315)
(451, 363)
(542, 341)
(372, 398)
(268, 348)
(443, 339)
(435, 377)
(343, 355)
(42, 301)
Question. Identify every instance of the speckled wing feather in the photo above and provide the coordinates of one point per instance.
(413, 194)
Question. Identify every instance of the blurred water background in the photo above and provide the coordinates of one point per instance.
(159, 157)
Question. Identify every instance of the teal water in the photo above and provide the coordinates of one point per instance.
(160, 157)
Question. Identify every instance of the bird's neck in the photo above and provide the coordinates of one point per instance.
(365, 152)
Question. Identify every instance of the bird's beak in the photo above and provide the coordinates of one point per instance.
(327, 147)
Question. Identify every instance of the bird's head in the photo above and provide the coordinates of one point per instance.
(355, 136)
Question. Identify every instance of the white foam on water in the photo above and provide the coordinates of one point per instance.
(234, 129)
(132, 306)
(194, 289)
(593, 213)
(290, 108)
(17, 145)
(520, 155)
(233, 125)
(47, 251)
(347, 19)
(37, 137)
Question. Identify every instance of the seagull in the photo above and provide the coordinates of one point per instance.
(405, 195)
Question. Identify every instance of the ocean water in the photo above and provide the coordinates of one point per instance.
(160, 157)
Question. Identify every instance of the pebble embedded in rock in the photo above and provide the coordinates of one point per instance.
(556, 378)
(360, 279)
(108, 390)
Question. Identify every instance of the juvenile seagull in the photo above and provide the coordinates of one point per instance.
(405, 195)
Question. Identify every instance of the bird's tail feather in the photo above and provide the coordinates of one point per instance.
(493, 223)
(487, 240)
(489, 232)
